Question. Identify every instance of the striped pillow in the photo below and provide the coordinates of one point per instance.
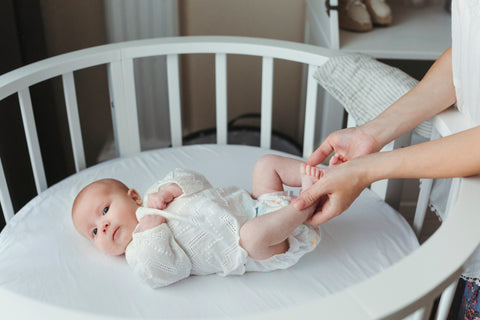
(365, 86)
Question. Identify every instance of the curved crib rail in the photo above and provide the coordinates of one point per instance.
(407, 287)
(119, 58)
(411, 284)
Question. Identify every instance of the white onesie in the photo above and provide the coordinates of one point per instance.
(201, 235)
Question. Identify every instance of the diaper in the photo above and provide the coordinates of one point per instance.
(269, 202)
(304, 238)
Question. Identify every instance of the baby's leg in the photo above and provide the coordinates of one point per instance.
(271, 172)
(267, 235)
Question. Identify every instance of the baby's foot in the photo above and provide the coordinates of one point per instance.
(310, 175)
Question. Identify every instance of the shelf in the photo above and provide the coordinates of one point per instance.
(416, 33)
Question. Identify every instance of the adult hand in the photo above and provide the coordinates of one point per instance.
(334, 192)
(348, 144)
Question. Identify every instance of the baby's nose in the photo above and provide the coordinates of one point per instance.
(105, 226)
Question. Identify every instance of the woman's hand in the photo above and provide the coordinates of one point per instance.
(348, 144)
(334, 192)
(338, 187)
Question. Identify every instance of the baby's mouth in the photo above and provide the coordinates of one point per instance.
(114, 233)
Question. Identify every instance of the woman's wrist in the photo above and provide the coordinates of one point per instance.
(370, 168)
(379, 131)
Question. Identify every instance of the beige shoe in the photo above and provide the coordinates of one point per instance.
(379, 11)
(353, 15)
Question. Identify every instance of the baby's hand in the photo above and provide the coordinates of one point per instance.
(150, 221)
(160, 199)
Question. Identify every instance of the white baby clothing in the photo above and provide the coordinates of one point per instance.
(201, 235)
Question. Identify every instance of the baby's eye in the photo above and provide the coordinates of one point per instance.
(105, 210)
(94, 233)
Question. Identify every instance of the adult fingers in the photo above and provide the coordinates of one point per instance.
(319, 155)
(336, 160)
(310, 196)
(327, 212)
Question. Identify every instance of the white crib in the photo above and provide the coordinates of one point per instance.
(414, 283)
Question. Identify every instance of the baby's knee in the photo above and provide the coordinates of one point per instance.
(266, 161)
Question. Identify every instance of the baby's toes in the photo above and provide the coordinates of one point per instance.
(303, 168)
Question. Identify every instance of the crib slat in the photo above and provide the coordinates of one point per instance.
(452, 195)
(267, 93)
(124, 107)
(423, 197)
(32, 139)
(427, 310)
(174, 100)
(221, 96)
(310, 112)
(422, 204)
(73, 120)
(423, 313)
(5, 200)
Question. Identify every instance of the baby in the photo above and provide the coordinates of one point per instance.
(186, 227)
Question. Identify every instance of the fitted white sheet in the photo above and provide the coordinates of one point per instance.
(41, 255)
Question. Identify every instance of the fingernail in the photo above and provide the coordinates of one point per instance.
(299, 204)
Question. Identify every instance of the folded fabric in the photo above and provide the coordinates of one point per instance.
(365, 86)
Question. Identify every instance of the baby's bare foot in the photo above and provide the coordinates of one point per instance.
(310, 175)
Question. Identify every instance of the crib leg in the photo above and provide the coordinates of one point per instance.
(423, 313)
(452, 195)
(446, 301)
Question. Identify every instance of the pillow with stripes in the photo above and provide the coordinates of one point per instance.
(365, 86)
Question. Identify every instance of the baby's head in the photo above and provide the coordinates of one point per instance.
(104, 213)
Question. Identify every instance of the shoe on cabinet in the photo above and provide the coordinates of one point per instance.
(380, 12)
(353, 15)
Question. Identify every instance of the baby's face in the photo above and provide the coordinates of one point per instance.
(106, 216)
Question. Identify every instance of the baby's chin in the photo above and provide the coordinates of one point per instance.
(115, 253)
(118, 250)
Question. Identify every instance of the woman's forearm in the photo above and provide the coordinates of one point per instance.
(433, 94)
(457, 155)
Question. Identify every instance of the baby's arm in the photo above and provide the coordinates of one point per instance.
(149, 222)
(158, 200)
(161, 198)
(157, 258)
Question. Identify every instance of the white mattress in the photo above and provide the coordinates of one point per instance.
(41, 255)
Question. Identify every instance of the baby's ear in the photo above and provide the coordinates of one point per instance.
(135, 196)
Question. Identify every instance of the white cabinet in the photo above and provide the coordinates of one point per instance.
(415, 34)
